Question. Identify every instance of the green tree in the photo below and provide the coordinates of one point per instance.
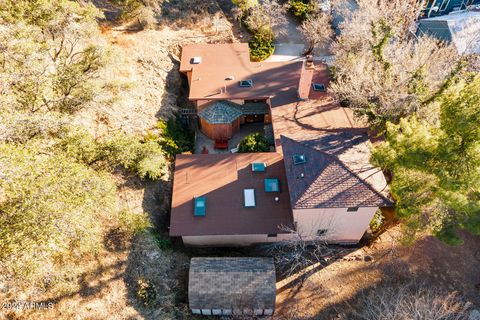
(50, 208)
(50, 57)
(254, 142)
(436, 166)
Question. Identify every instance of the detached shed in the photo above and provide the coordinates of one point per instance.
(226, 286)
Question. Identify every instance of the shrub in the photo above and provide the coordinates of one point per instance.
(261, 45)
(377, 221)
(146, 292)
(162, 243)
(254, 142)
(133, 223)
(301, 8)
(175, 137)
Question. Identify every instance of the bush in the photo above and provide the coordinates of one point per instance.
(254, 142)
(146, 292)
(377, 221)
(175, 137)
(133, 223)
(301, 8)
(261, 45)
(162, 243)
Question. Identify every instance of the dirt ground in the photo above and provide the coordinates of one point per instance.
(326, 293)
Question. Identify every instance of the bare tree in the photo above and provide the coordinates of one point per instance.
(267, 15)
(298, 251)
(317, 29)
(408, 301)
(382, 70)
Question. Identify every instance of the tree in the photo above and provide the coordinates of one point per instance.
(382, 70)
(50, 57)
(408, 301)
(317, 29)
(254, 142)
(50, 209)
(267, 17)
(436, 166)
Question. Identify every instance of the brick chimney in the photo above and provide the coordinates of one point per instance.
(306, 76)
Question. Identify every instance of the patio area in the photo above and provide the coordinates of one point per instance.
(202, 141)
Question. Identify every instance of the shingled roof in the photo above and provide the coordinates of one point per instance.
(336, 174)
(221, 112)
(232, 285)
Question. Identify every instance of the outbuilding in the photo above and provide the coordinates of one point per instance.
(232, 286)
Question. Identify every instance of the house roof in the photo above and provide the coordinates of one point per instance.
(222, 178)
(254, 108)
(336, 174)
(220, 62)
(221, 112)
(460, 28)
(231, 283)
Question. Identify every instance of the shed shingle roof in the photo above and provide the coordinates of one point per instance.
(231, 283)
(221, 112)
(337, 173)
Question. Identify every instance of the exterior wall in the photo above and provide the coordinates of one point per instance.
(219, 131)
(231, 240)
(342, 226)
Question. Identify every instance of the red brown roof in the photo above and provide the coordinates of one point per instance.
(222, 179)
(220, 62)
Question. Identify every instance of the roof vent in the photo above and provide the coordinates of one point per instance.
(299, 159)
(196, 60)
(246, 83)
(318, 87)
(277, 199)
(230, 78)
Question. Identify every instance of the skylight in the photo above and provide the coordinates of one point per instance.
(271, 185)
(299, 158)
(200, 207)
(249, 198)
(259, 166)
(318, 87)
(246, 83)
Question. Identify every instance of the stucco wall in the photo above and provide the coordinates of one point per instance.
(342, 226)
(231, 240)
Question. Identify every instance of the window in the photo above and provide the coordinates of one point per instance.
(318, 87)
(299, 158)
(272, 235)
(321, 232)
(249, 198)
(246, 83)
(352, 209)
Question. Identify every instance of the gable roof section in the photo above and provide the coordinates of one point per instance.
(221, 112)
(337, 173)
(231, 283)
